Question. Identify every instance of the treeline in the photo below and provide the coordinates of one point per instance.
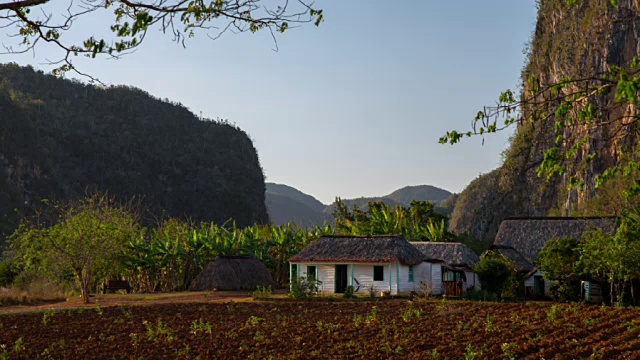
(87, 241)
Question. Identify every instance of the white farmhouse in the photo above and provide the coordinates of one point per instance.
(383, 263)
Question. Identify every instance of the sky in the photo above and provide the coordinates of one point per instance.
(353, 107)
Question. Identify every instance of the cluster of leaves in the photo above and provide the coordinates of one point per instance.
(498, 278)
(130, 21)
(419, 222)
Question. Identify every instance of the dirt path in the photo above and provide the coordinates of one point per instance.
(136, 299)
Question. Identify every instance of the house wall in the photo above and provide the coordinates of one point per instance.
(530, 282)
(429, 273)
(472, 280)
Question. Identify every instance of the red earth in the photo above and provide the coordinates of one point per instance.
(396, 329)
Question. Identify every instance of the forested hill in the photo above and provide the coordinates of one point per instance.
(59, 138)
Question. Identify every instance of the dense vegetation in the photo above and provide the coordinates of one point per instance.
(59, 138)
(81, 243)
(605, 258)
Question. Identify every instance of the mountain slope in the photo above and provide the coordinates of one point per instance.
(283, 210)
(295, 194)
(588, 37)
(402, 197)
(429, 193)
(60, 138)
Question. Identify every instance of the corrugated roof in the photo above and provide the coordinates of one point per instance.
(367, 249)
(453, 254)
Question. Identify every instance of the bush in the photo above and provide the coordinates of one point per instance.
(262, 292)
(479, 295)
(348, 292)
(564, 292)
(493, 274)
(8, 272)
(302, 288)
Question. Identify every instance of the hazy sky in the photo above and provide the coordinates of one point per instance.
(355, 107)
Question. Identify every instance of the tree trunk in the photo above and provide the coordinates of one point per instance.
(85, 283)
(633, 294)
(611, 293)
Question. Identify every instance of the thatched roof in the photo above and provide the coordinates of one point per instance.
(364, 249)
(241, 272)
(455, 255)
(515, 257)
(529, 235)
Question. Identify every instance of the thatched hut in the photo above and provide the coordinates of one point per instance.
(382, 262)
(457, 270)
(240, 272)
(519, 240)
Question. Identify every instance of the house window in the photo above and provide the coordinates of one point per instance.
(378, 273)
(311, 272)
(410, 273)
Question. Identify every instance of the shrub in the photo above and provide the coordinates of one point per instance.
(262, 292)
(493, 274)
(564, 292)
(372, 290)
(8, 272)
(479, 295)
(302, 288)
(349, 292)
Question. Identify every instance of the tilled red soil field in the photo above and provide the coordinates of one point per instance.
(324, 330)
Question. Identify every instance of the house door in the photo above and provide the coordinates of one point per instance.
(341, 279)
(538, 286)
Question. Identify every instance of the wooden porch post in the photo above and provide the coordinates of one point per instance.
(390, 274)
(352, 266)
(290, 276)
(398, 277)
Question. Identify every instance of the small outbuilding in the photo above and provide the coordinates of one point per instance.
(239, 272)
(457, 271)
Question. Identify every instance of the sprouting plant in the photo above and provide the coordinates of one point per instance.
(357, 320)
(201, 326)
(490, 326)
(262, 292)
(472, 353)
(4, 355)
(508, 348)
(135, 339)
(46, 317)
(18, 345)
(589, 321)
(443, 303)
(231, 307)
(411, 313)
(435, 354)
(252, 321)
(161, 330)
(99, 309)
(552, 313)
(372, 317)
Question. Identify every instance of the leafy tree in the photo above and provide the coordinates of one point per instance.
(558, 260)
(33, 23)
(87, 240)
(493, 274)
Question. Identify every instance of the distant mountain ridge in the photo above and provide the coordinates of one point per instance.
(286, 204)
